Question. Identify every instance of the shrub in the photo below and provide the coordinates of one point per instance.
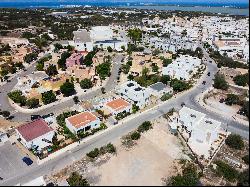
(232, 99)
(76, 179)
(188, 178)
(241, 80)
(220, 82)
(246, 159)
(144, 126)
(94, 153)
(243, 179)
(166, 97)
(135, 135)
(110, 148)
(226, 171)
(235, 141)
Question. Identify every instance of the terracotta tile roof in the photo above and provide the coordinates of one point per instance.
(34, 129)
(118, 104)
(82, 119)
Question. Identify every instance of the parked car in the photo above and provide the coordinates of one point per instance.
(47, 115)
(210, 61)
(34, 117)
(27, 161)
(208, 74)
(10, 117)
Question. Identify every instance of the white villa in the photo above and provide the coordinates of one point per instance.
(203, 131)
(183, 67)
(132, 91)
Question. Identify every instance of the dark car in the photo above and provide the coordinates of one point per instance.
(47, 115)
(210, 61)
(10, 117)
(208, 74)
(34, 117)
(27, 161)
(204, 82)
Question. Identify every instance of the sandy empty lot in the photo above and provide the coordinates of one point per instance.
(151, 160)
(145, 164)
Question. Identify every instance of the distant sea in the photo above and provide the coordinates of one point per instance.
(237, 9)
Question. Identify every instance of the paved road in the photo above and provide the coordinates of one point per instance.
(5, 105)
(114, 133)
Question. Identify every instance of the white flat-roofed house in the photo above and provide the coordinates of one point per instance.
(204, 132)
(182, 68)
(82, 122)
(189, 118)
(82, 40)
(35, 135)
(117, 106)
(132, 91)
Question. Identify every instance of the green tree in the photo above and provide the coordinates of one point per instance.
(220, 82)
(155, 68)
(27, 35)
(57, 46)
(86, 84)
(179, 85)
(67, 89)
(88, 60)
(103, 70)
(109, 49)
(165, 79)
(223, 169)
(32, 103)
(241, 80)
(135, 34)
(76, 179)
(145, 72)
(125, 68)
(48, 97)
(62, 61)
(189, 177)
(232, 99)
(145, 126)
(135, 108)
(246, 159)
(4, 72)
(243, 179)
(40, 66)
(135, 135)
(17, 97)
(235, 141)
(30, 57)
(51, 70)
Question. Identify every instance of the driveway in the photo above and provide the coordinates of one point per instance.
(11, 161)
